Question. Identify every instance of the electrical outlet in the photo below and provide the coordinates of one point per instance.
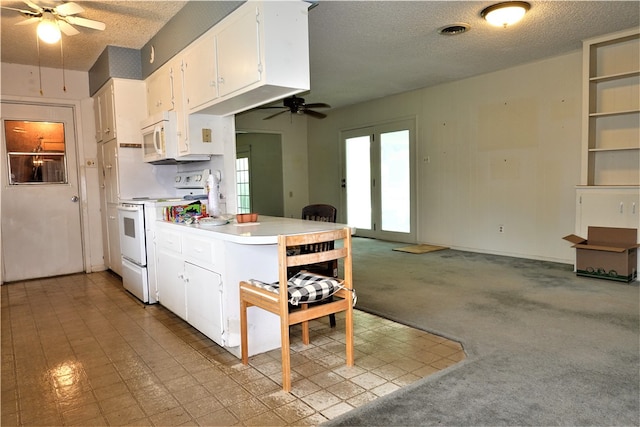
(501, 228)
(206, 135)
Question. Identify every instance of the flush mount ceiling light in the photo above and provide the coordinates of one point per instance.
(504, 14)
(48, 29)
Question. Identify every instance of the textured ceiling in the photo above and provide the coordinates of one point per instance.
(129, 24)
(360, 50)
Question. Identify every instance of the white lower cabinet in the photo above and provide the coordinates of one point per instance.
(171, 284)
(187, 282)
(203, 291)
(114, 261)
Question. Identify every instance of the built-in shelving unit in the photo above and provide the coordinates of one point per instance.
(611, 106)
(609, 194)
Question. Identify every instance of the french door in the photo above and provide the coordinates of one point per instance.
(379, 180)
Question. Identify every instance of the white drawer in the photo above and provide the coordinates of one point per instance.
(196, 249)
(169, 240)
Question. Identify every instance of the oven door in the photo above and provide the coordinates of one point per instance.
(132, 233)
(134, 280)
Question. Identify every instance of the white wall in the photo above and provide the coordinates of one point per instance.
(504, 149)
(22, 82)
(294, 154)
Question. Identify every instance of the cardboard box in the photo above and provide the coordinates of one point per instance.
(607, 253)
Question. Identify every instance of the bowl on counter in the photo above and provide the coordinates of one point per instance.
(246, 217)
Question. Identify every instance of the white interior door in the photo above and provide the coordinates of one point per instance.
(379, 181)
(41, 229)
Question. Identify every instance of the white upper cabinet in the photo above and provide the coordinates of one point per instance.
(256, 55)
(199, 72)
(160, 89)
(242, 34)
(104, 114)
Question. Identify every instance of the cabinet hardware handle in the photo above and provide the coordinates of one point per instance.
(633, 208)
(621, 207)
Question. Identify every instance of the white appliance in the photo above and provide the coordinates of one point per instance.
(136, 221)
(159, 132)
(160, 140)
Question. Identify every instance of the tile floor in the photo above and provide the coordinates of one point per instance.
(79, 350)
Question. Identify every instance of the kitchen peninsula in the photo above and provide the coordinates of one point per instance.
(200, 266)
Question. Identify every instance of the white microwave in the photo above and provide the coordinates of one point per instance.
(160, 137)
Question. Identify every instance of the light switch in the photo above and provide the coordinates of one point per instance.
(206, 135)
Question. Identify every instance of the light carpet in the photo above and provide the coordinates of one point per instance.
(544, 346)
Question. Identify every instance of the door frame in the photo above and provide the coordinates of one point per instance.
(79, 125)
(409, 123)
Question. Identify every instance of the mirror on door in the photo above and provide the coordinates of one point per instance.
(35, 152)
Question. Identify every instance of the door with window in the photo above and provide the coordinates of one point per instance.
(41, 230)
(379, 180)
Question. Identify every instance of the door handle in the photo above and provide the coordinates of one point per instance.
(74, 199)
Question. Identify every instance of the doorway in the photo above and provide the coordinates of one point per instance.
(380, 180)
(41, 228)
(259, 173)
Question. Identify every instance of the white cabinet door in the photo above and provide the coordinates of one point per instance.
(105, 125)
(171, 284)
(160, 90)
(113, 233)
(607, 209)
(110, 170)
(204, 302)
(242, 35)
(200, 72)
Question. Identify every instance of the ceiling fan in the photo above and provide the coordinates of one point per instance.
(62, 15)
(296, 105)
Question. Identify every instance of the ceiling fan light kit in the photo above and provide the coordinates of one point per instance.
(505, 14)
(48, 29)
(53, 21)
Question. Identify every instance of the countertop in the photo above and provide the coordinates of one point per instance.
(263, 232)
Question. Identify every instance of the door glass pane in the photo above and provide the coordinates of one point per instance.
(242, 183)
(35, 152)
(395, 181)
(358, 178)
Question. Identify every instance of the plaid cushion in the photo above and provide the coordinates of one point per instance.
(304, 287)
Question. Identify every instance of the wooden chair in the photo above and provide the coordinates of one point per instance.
(323, 213)
(279, 297)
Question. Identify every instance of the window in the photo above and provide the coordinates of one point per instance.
(242, 182)
(35, 152)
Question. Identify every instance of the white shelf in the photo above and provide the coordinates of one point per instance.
(596, 150)
(614, 113)
(617, 76)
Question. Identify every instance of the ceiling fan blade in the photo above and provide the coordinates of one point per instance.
(314, 114)
(276, 114)
(268, 108)
(26, 12)
(28, 21)
(69, 8)
(33, 6)
(83, 22)
(317, 105)
(66, 28)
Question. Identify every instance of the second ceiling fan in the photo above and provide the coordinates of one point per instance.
(296, 105)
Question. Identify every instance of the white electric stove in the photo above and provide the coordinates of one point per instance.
(137, 218)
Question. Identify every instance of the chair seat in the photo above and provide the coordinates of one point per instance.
(304, 287)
